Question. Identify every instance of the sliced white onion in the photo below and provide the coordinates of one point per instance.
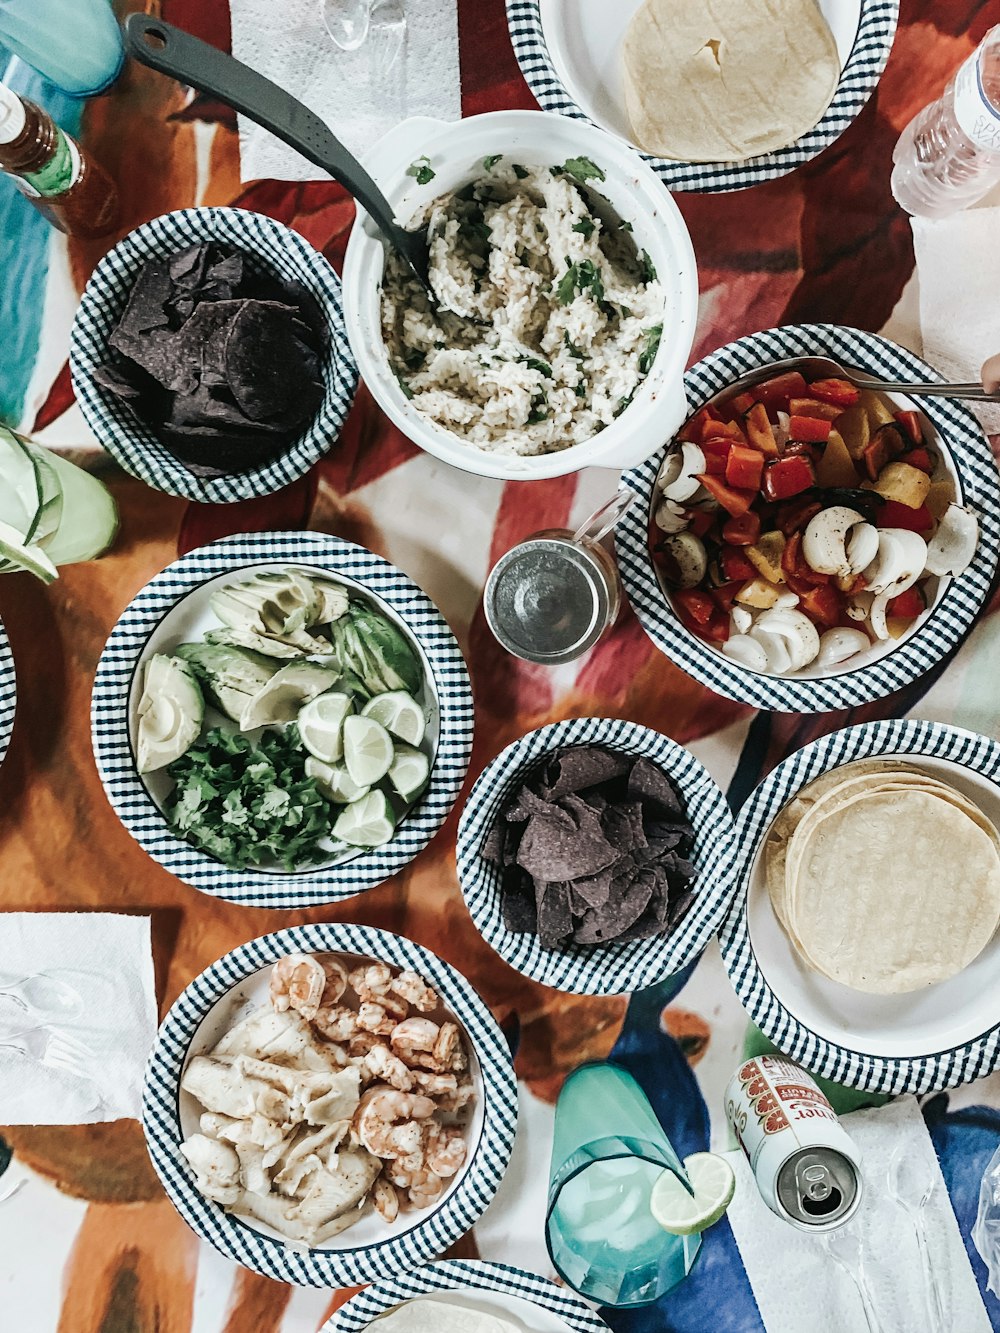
(746, 651)
(901, 558)
(800, 635)
(952, 547)
(824, 542)
(688, 554)
(837, 645)
(670, 517)
(740, 619)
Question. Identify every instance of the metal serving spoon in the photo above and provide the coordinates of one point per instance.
(823, 366)
(171, 51)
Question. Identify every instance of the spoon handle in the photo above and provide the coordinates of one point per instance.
(931, 1289)
(934, 389)
(176, 53)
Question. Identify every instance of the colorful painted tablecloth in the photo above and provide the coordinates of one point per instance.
(90, 1244)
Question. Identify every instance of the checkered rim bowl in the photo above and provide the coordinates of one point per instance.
(8, 692)
(856, 1069)
(609, 969)
(463, 1275)
(858, 80)
(458, 1210)
(274, 247)
(375, 578)
(960, 599)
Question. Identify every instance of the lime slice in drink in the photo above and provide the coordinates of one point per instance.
(399, 713)
(409, 771)
(681, 1213)
(334, 782)
(321, 724)
(32, 559)
(368, 750)
(366, 823)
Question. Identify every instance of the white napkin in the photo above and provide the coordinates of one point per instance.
(958, 265)
(797, 1285)
(107, 959)
(286, 41)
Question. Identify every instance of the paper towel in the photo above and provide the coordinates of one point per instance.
(958, 265)
(106, 958)
(288, 43)
(797, 1285)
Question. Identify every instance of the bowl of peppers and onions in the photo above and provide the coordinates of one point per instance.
(798, 525)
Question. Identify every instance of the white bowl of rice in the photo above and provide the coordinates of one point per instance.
(568, 290)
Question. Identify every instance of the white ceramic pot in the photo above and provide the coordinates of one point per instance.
(535, 138)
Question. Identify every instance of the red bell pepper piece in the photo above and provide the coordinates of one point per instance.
(838, 392)
(716, 453)
(814, 430)
(694, 426)
(742, 531)
(744, 466)
(700, 521)
(788, 476)
(727, 430)
(738, 407)
(886, 444)
(812, 407)
(821, 604)
(725, 595)
(775, 394)
(717, 629)
(910, 421)
(735, 565)
(895, 515)
(696, 605)
(921, 458)
(798, 575)
(733, 501)
(760, 432)
(795, 516)
(908, 605)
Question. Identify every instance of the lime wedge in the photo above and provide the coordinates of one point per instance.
(366, 823)
(409, 771)
(399, 713)
(368, 750)
(681, 1213)
(32, 559)
(321, 724)
(334, 782)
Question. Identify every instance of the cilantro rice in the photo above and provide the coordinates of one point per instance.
(569, 313)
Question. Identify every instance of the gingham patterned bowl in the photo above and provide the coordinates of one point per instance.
(270, 245)
(959, 600)
(607, 969)
(497, 1288)
(929, 1039)
(529, 21)
(141, 631)
(345, 1260)
(8, 691)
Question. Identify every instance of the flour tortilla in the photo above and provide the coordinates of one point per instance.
(893, 894)
(428, 1316)
(723, 80)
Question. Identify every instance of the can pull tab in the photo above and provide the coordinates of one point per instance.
(817, 1189)
(600, 523)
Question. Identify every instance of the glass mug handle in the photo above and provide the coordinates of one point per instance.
(600, 523)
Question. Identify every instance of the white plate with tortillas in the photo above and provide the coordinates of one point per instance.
(718, 95)
(864, 936)
(465, 1296)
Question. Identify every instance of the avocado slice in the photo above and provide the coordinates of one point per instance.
(285, 693)
(171, 712)
(231, 676)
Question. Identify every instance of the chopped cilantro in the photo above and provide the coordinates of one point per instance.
(650, 348)
(521, 172)
(474, 229)
(623, 403)
(533, 363)
(572, 348)
(407, 391)
(490, 162)
(582, 169)
(421, 170)
(580, 390)
(646, 265)
(624, 226)
(580, 277)
(567, 286)
(414, 358)
(626, 312)
(536, 415)
(585, 227)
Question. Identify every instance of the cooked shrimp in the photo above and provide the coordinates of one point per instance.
(415, 991)
(386, 1199)
(435, 1085)
(361, 1043)
(421, 1186)
(387, 1122)
(375, 1016)
(445, 1150)
(412, 1037)
(336, 981)
(371, 981)
(449, 1052)
(336, 1022)
(297, 982)
(382, 1066)
(452, 1101)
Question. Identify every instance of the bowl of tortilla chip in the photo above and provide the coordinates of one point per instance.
(596, 856)
(209, 354)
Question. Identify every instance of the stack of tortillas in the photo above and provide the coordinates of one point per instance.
(884, 878)
(723, 80)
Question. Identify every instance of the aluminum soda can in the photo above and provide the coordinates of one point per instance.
(807, 1167)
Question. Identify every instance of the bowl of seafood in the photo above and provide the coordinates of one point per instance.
(808, 542)
(282, 719)
(330, 1104)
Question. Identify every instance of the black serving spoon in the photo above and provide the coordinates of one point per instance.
(191, 61)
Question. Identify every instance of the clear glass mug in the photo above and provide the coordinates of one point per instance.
(551, 598)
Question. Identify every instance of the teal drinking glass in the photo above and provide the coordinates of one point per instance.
(608, 1152)
(76, 44)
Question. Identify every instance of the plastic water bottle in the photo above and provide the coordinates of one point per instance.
(949, 155)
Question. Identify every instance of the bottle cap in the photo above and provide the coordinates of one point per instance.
(12, 116)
